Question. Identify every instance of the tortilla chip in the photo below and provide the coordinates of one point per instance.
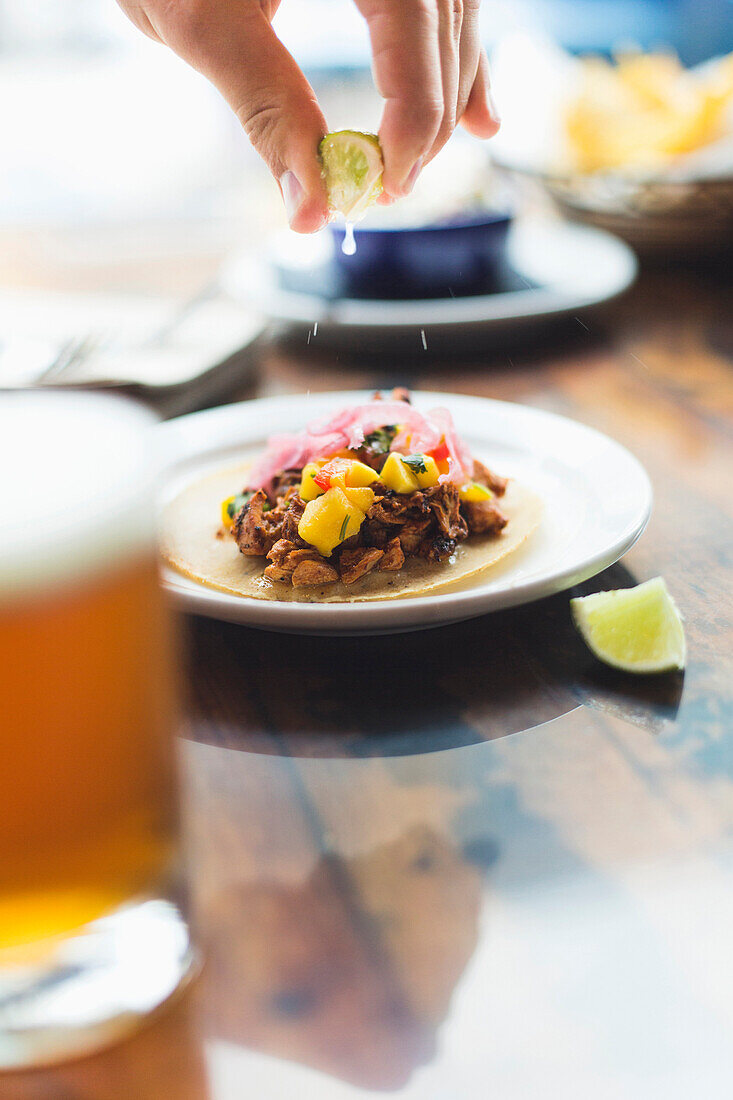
(190, 544)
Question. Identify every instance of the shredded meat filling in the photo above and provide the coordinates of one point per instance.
(393, 557)
(288, 479)
(412, 534)
(445, 505)
(484, 476)
(311, 572)
(437, 549)
(428, 524)
(484, 517)
(255, 530)
(355, 564)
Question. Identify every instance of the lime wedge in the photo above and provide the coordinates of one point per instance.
(352, 167)
(635, 629)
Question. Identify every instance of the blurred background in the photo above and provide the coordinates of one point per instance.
(128, 190)
(124, 173)
(101, 125)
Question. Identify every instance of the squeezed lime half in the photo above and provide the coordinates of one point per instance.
(635, 629)
(352, 168)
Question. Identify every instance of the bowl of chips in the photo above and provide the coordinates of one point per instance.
(637, 144)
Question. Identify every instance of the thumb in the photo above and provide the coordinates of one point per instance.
(235, 47)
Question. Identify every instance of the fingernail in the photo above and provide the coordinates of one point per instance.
(493, 110)
(293, 194)
(414, 173)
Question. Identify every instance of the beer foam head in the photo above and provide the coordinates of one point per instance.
(77, 487)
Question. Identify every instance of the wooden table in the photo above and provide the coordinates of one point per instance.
(472, 862)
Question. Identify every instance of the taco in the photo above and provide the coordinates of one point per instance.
(377, 502)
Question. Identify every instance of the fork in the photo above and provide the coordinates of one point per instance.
(77, 350)
(70, 354)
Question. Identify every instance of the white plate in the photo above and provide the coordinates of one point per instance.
(597, 500)
(573, 267)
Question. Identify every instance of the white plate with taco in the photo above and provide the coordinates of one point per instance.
(359, 513)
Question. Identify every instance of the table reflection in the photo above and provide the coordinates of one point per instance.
(410, 693)
(416, 923)
(351, 970)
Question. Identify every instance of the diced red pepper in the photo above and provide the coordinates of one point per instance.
(441, 452)
(332, 469)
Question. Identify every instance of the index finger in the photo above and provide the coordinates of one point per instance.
(407, 72)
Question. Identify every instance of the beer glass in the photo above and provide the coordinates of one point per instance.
(92, 932)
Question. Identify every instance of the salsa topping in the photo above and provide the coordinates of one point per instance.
(394, 425)
(328, 516)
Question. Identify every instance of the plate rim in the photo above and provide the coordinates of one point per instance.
(407, 613)
(534, 303)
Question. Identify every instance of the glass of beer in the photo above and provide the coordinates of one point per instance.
(92, 930)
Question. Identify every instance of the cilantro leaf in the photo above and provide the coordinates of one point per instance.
(235, 506)
(380, 440)
(416, 463)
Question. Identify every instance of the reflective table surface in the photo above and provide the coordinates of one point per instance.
(472, 862)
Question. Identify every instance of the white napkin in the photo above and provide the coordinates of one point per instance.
(132, 340)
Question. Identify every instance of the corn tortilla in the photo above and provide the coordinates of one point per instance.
(190, 545)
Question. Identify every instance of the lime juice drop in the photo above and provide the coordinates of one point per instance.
(348, 245)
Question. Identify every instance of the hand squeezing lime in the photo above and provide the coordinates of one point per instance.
(634, 629)
(352, 168)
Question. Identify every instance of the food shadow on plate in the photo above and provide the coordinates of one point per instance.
(412, 693)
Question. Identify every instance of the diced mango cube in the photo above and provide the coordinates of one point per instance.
(226, 519)
(396, 475)
(362, 498)
(328, 520)
(429, 476)
(345, 472)
(473, 492)
(308, 489)
(359, 474)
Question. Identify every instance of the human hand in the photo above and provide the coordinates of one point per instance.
(428, 66)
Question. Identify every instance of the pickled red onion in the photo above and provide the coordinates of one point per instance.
(347, 429)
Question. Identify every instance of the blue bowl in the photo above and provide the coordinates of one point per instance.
(452, 258)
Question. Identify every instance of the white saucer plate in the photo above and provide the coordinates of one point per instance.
(567, 268)
(597, 500)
